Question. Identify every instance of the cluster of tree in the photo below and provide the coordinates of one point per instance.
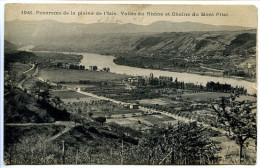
(240, 73)
(41, 89)
(163, 61)
(20, 56)
(20, 107)
(187, 144)
(161, 81)
(218, 87)
(37, 106)
(11, 80)
(100, 120)
(164, 81)
(100, 83)
(210, 86)
(78, 67)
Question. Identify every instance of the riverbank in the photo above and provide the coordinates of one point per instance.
(98, 60)
(200, 70)
(101, 61)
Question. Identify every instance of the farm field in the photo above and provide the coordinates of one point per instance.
(68, 94)
(159, 119)
(146, 121)
(159, 101)
(119, 111)
(204, 96)
(69, 75)
(77, 100)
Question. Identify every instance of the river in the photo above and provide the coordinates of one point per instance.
(101, 61)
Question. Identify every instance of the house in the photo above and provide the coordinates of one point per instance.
(127, 105)
(134, 106)
(178, 98)
(66, 66)
(64, 87)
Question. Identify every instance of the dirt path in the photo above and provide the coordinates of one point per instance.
(68, 128)
(20, 84)
(29, 69)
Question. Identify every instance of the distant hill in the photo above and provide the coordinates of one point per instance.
(159, 40)
(171, 43)
(9, 47)
(20, 32)
(19, 56)
(50, 27)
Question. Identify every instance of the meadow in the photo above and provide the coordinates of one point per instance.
(69, 75)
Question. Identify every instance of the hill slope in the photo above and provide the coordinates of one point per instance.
(23, 32)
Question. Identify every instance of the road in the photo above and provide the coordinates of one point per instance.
(20, 84)
(29, 69)
(212, 69)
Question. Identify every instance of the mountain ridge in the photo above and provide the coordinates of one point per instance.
(105, 28)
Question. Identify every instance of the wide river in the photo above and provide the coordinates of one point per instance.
(102, 61)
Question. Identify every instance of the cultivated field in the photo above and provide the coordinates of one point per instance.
(160, 101)
(143, 122)
(68, 75)
(205, 96)
(68, 94)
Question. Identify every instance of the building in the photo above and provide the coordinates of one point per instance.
(134, 106)
(178, 98)
(127, 105)
(132, 80)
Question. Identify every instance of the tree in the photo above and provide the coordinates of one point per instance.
(45, 94)
(181, 144)
(11, 79)
(40, 89)
(79, 111)
(56, 101)
(238, 120)
(90, 114)
(101, 120)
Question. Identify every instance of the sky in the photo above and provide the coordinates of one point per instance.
(234, 15)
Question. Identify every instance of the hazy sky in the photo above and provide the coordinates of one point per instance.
(235, 15)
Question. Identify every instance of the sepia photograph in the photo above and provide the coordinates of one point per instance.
(114, 84)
